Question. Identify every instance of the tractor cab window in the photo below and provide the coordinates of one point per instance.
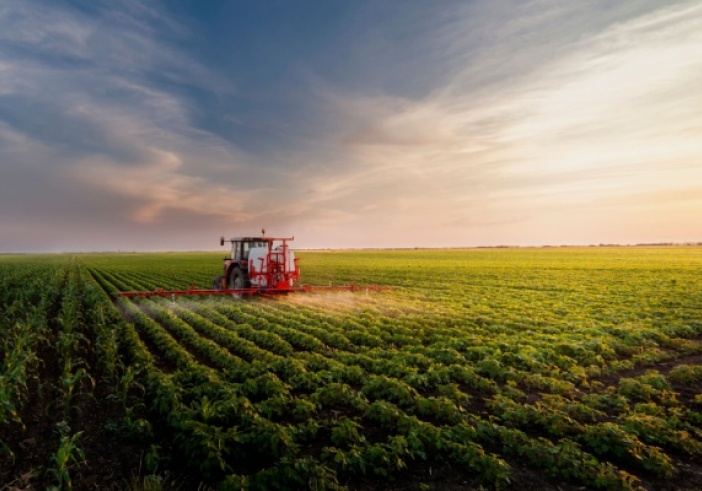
(247, 246)
(245, 250)
(236, 251)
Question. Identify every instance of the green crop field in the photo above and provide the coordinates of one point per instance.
(554, 368)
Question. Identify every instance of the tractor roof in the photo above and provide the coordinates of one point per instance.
(258, 239)
(250, 239)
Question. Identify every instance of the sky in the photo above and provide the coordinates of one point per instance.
(132, 125)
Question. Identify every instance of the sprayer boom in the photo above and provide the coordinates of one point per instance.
(192, 291)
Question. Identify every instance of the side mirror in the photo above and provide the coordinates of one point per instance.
(221, 241)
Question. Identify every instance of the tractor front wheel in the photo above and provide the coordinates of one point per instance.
(217, 283)
(238, 281)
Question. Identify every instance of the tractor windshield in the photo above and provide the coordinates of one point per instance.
(247, 246)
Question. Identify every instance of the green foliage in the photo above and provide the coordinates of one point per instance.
(685, 374)
(494, 356)
(67, 454)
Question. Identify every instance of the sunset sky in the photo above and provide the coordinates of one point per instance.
(146, 125)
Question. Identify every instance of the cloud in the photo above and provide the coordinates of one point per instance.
(611, 113)
(158, 185)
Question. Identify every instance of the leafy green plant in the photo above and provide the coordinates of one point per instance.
(685, 374)
(67, 454)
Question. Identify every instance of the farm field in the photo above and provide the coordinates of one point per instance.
(553, 368)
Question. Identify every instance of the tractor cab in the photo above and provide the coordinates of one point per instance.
(242, 245)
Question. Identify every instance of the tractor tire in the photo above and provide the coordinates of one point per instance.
(217, 283)
(238, 280)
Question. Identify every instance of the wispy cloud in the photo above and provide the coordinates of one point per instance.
(78, 100)
(158, 185)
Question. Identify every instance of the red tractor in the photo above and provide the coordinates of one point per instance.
(259, 263)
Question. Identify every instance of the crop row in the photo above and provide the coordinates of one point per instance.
(383, 402)
(57, 342)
